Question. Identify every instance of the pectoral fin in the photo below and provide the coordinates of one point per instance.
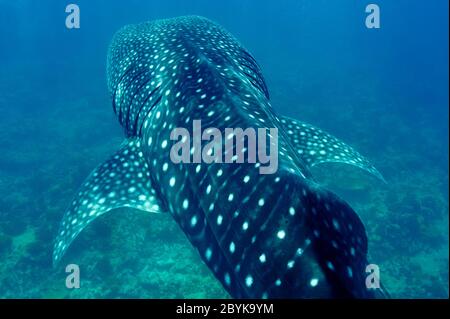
(122, 181)
(315, 146)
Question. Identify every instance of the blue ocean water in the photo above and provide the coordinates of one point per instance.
(384, 91)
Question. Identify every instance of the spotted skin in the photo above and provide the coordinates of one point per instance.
(262, 236)
(315, 146)
(122, 181)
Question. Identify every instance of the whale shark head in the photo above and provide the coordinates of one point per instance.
(263, 235)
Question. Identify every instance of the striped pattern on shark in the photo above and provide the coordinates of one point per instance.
(263, 236)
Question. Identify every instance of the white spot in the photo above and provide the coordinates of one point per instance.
(227, 278)
(208, 253)
(330, 265)
(314, 282)
(245, 226)
(262, 258)
(349, 272)
(281, 234)
(185, 204)
(193, 221)
(248, 281)
(261, 202)
(219, 220)
(172, 181)
(292, 211)
(335, 224)
(232, 247)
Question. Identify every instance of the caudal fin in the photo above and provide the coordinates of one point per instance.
(339, 243)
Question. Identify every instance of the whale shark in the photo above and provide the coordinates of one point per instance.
(278, 235)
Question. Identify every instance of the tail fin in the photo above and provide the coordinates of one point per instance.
(339, 243)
